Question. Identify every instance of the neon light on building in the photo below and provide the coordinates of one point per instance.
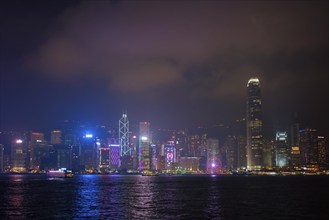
(89, 136)
(114, 155)
(170, 155)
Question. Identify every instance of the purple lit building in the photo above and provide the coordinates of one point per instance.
(213, 156)
(114, 156)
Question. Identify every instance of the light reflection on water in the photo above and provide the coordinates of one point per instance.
(140, 199)
(86, 197)
(15, 196)
(162, 197)
(213, 209)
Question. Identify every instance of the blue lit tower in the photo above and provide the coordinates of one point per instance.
(254, 126)
(125, 149)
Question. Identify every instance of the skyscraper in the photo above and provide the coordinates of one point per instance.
(19, 158)
(213, 161)
(231, 152)
(308, 146)
(144, 146)
(125, 149)
(170, 154)
(56, 137)
(322, 151)
(295, 157)
(88, 153)
(254, 126)
(282, 150)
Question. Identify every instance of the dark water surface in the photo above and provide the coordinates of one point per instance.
(164, 197)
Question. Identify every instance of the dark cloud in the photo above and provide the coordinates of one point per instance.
(129, 43)
(187, 60)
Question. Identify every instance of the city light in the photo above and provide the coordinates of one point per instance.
(89, 136)
(199, 143)
(253, 80)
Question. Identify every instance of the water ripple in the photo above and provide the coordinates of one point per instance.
(176, 197)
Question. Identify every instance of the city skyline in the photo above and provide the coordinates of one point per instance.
(89, 61)
(192, 109)
(96, 149)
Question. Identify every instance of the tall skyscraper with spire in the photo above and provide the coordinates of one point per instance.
(254, 126)
(124, 135)
(125, 149)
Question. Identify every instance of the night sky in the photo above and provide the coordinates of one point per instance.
(176, 63)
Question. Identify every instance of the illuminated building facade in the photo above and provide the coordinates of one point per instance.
(213, 156)
(144, 163)
(282, 149)
(104, 157)
(19, 157)
(114, 156)
(170, 155)
(254, 126)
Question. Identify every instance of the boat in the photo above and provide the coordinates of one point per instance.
(60, 173)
